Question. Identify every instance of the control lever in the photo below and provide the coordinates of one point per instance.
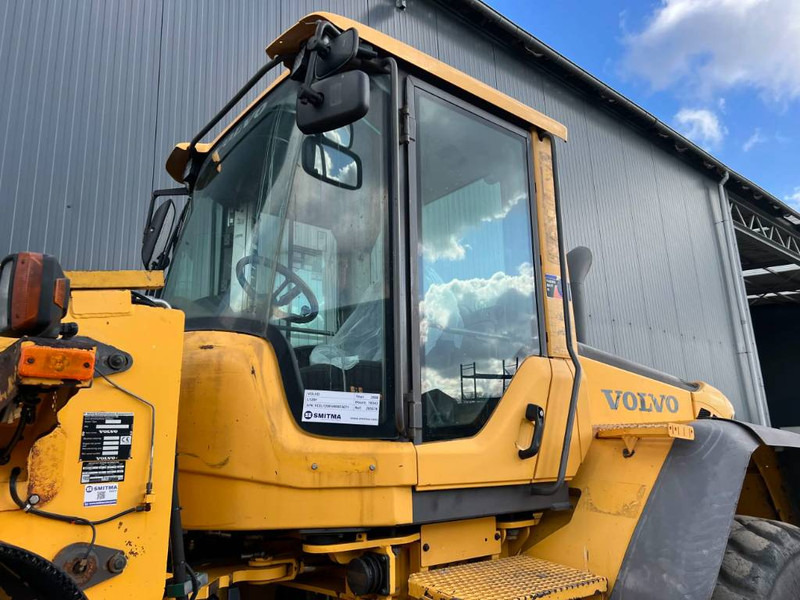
(535, 414)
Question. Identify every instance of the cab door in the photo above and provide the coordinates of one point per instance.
(479, 380)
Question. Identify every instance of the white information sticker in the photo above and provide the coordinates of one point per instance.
(346, 408)
(100, 494)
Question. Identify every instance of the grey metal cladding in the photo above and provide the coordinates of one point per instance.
(415, 26)
(94, 94)
(78, 83)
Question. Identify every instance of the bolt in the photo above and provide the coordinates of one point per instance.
(30, 360)
(117, 563)
(86, 365)
(314, 466)
(372, 467)
(497, 535)
(34, 499)
(426, 547)
(80, 566)
(116, 361)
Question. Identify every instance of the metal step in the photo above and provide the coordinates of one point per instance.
(514, 578)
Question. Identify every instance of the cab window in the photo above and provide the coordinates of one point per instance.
(477, 304)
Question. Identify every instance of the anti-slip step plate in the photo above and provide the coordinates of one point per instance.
(513, 578)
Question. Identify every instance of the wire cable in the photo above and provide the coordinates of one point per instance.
(28, 507)
(149, 487)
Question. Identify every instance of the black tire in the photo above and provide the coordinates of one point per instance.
(28, 576)
(761, 562)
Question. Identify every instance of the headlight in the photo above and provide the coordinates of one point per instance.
(34, 295)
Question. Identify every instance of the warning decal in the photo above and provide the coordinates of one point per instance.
(101, 494)
(102, 471)
(346, 408)
(553, 283)
(106, 436)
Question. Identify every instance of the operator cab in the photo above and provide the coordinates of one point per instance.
(286, 238)
(370, 274)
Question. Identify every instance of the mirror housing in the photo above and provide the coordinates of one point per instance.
(337, 53)
(343, 99)
(154, 228)
(319, 158)
(154, 233)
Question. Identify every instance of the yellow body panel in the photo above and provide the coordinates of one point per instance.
(549, 246)
(116, 280)
(491, 456)
(459, 540)
(614, 491)
(620, 396)
(556, 411)
(241, 451)
(53, 471)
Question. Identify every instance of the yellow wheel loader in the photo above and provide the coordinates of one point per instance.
(361, 376)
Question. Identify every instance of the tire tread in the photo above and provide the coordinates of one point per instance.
(759, 553)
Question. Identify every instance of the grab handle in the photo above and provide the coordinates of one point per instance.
(535, 414)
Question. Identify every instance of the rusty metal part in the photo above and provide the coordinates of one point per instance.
(101, 564)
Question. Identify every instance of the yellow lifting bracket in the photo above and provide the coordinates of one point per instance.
(631, 433)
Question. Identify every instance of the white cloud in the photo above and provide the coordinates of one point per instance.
(451, 218)
(701, 125)
(793, 199)
(443, 302)
(487, 319)
(715, 45)
(756, 138)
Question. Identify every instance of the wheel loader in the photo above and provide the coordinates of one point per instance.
(361, 376)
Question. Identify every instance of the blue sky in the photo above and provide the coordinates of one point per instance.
(726, 73)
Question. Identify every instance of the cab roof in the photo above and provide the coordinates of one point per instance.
(289, 43)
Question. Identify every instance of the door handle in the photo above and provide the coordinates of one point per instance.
(535, 414)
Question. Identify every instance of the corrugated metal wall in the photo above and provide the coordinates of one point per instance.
(93, 95)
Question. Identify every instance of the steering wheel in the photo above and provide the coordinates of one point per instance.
(287, 291)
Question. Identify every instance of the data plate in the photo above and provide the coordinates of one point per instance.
(106, 436)
(345, 408)
(103, 471)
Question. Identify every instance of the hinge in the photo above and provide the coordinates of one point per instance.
(414, 411)
(408, 126)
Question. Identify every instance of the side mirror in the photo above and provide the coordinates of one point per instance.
(340, 51)
(334, 102)
(157, 236)
(325, 160)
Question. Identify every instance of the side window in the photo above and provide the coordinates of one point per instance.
(477, 304)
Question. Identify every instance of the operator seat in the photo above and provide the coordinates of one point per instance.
(351, 361)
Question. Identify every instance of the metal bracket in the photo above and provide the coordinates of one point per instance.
(110, 359)
(101, 564)
(257, 571)
(631, 433)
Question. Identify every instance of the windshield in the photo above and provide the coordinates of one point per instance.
(286, 238)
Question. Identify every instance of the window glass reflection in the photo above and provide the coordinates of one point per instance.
(478, 317)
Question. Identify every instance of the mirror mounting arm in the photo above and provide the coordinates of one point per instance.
(306, 94)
